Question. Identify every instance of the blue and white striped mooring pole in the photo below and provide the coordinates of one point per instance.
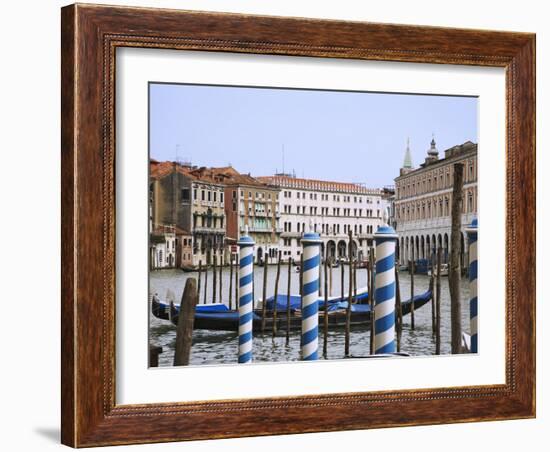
(472, 273)
(384, 294)
(311, 242)
(246, 275)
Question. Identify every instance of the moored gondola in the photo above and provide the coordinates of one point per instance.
(218, 317)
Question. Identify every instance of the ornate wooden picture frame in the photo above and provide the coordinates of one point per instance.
(90, 37)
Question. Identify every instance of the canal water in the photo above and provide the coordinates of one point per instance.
(219, 347)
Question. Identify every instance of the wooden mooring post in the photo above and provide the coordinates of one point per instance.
(199, 280)
(186, 318)
(154, 352)
(411, 269)
(236, 282)
(325, 311)
(205, 281)
(214, 278)
(264, 299)
(288, 286)
(438, 304)
(398, 310)
(274, 328)
(454, 267)
(371, 299)
(221, 278)
(350, 296)
(330, 276)
(230, 282)
(432, 285)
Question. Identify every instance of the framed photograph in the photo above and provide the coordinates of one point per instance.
(266, 220)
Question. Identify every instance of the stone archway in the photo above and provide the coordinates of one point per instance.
(331, 249)
(342, 246)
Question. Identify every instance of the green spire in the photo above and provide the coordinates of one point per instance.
(407, 162)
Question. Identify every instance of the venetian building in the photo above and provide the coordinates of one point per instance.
(189, 201)
(423, 201)
(332, 209)
(253, 204)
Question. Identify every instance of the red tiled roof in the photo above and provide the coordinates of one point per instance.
(222, 175)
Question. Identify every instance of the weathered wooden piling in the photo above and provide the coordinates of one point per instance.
(325, 315)
(288, 287)
(330, 276)
(236, 282)
(186, 318)
(230, 282)
(221, 278)
(154, 352)
(214, 278)
(264, 299)
(432, 285)
(398, 310)
(438, 304)
(342, 276)
(371, 299)
(170, 310)
(253, 288)
(199, 280)
(205, 282)
(321, 285)
(350, 296)
(274, 329)
(411, 269)
(454, 267)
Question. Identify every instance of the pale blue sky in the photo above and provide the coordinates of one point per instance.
(331, 135)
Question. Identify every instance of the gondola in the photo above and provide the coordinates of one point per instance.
(219, 317)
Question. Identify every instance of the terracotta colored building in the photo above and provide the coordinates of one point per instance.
(253, 204)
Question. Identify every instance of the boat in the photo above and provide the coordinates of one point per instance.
(219, 317)
(444, 270)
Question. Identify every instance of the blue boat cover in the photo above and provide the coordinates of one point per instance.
(296, 301)
(200, 308)
(212, 307)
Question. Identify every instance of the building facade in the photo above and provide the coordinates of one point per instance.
(162, 248)
(423, 200)
(191, 200)
(329, 208)
(253, 204)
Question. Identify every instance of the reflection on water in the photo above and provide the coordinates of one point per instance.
(219, 347)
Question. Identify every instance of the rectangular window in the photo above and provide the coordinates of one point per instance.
(221, 196)
(185, 193)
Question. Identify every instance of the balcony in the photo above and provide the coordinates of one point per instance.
(207, 230)
(257, 229)
(291, 235)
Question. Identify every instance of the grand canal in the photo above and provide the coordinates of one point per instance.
(218, 347)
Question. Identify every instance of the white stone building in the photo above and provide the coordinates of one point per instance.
(423, 202)
(162, 246)
(333, 208)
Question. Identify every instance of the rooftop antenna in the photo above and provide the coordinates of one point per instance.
(177, 153)
(283, 146)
